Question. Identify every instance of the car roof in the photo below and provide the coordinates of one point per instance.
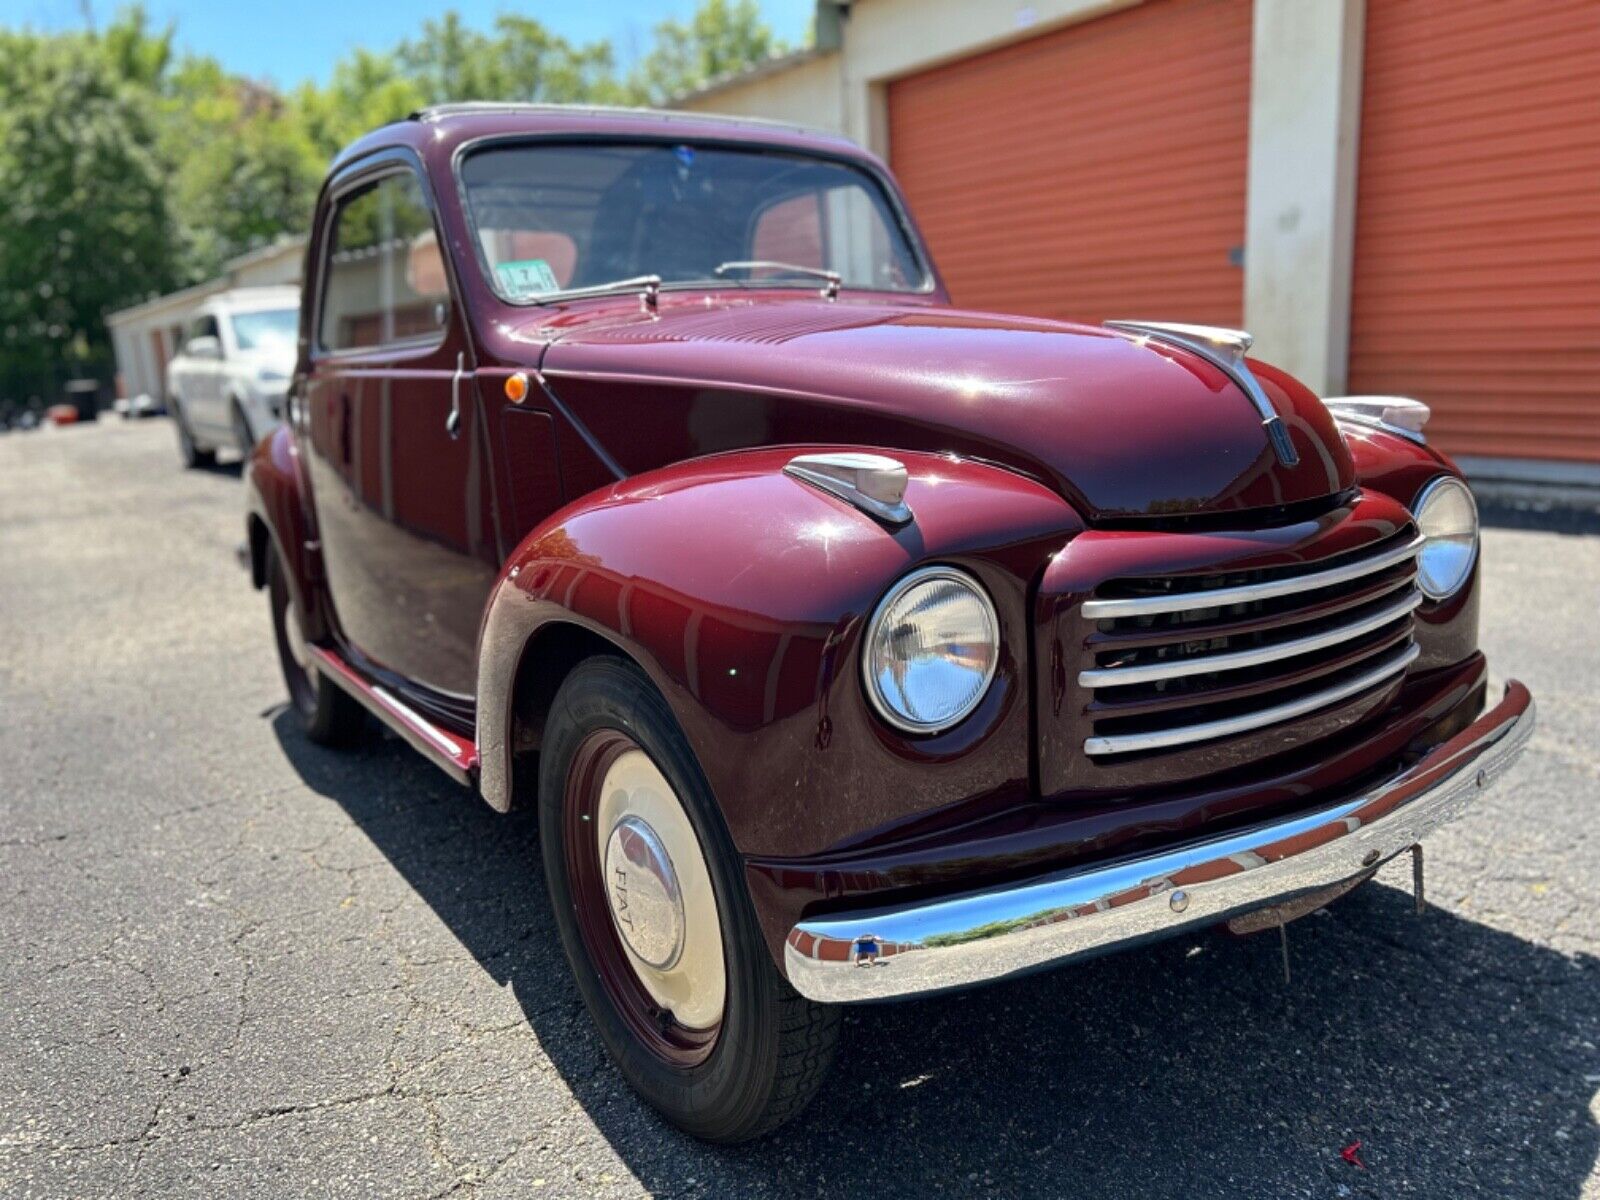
(445, 126)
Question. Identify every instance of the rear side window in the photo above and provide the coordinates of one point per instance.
(385, 280)
(201, 327)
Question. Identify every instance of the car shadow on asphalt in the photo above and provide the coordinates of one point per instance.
(1461, 1058)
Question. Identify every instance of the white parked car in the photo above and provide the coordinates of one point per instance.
(226, 385)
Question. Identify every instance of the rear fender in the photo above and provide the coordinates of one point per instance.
(278, 517)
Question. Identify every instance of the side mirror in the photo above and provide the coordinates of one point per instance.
(203, 347)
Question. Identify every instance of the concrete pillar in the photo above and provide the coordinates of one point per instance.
(1305, 107)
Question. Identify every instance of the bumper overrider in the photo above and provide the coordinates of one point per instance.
(957, 941)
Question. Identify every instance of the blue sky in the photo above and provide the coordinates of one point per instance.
(287, 41)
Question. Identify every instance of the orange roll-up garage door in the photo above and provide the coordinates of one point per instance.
(1477, 249)
(1093, 171)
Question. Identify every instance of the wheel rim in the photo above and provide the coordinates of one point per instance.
(299, 670)
(643, 897)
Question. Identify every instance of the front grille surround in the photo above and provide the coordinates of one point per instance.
(1177, 661)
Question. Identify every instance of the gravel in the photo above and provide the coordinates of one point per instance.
(235, 964)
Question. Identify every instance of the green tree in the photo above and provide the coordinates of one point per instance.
(520, 61)
(87, 227)
(367, 90)
(720, 39)
(244, 168)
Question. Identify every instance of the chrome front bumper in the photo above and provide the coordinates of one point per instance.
(963, 940)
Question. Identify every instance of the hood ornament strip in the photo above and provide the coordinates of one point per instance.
(1224, 349)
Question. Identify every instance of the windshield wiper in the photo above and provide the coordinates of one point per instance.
(650, 285)
(830, 289)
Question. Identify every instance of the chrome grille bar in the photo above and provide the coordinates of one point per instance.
(1156, 739)
(1233, 660)
(1145, 606)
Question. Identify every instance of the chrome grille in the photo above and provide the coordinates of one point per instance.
(1177, 660)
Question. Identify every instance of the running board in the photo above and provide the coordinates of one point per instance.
(455, 756)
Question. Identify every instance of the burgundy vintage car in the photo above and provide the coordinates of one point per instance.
(850, 645)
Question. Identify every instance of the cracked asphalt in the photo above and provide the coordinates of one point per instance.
(235, 964)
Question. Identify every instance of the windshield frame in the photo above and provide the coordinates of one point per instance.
(871, 173)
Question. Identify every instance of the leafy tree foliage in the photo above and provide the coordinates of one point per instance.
(129, 170)
(87, 226)
(720, 39)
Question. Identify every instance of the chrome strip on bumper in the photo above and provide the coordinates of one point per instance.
(954, 942)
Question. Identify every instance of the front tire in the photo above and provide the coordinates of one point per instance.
(188, 450)
(687, 999)
(327, 714)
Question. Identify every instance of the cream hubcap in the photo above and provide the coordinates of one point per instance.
(659, 892)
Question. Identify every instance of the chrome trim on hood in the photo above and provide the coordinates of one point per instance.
(1224, 349)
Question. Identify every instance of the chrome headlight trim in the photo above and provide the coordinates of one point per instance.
(1442, 486)
(880, 704)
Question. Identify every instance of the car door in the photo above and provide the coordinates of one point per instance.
(198, 382)
(213, 371)
(400, 483)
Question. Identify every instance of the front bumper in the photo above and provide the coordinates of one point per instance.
(957, 941)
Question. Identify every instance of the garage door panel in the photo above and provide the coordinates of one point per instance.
(1089, 172)
(1478, 28)
(1477, 249)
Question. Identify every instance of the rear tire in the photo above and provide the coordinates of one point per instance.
(327, 714)
(768, 1049)
(191, 454)
(241, 432)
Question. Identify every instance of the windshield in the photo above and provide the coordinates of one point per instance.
(266, 329)
(557, 217)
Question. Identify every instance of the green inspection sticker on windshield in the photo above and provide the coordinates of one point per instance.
(527, 278)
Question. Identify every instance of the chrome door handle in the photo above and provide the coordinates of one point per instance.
(452, 423)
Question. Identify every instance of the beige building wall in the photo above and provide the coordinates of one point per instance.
(809, 92)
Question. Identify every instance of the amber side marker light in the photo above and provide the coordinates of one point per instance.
(517, 388)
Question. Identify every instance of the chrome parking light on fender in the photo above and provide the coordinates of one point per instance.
(962, 940)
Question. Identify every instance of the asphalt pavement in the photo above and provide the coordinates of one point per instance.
(233, 963)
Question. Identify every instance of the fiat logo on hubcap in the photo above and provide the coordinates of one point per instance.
(642, 888)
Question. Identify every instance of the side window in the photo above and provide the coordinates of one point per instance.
(201, 327)
(384, 279)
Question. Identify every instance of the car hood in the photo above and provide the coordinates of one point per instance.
(278, 360)
(1122, 427)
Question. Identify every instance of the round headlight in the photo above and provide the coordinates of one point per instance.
(931, 650)
(1447, 517)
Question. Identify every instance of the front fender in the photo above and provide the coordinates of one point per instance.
(742, 593)
(277, 501)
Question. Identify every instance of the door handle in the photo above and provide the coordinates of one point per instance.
(452, 423)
